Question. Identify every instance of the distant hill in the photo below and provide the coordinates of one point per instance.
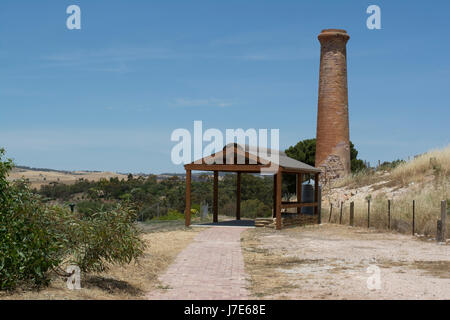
(42, 176)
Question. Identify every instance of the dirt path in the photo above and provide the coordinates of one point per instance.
(211, 267)
(336, 262)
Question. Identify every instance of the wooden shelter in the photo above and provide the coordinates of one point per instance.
(246, 159)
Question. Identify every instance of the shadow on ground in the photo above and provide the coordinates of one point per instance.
(228, 223)
(111, 285)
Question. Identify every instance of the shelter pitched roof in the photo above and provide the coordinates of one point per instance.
(251, 156)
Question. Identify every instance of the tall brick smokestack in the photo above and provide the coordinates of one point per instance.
(333, 139)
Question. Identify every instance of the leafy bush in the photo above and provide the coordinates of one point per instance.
(87, 208)
(105, 237)
(255, 209)
(171, 215)
(36, 239)
(26, 246)
(390, 165)
(147, 213)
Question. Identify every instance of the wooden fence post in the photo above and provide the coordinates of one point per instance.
(352, 213)
(441, 224)
(340, 215)
(331, 211)
(439, 231)
(368, 213)
(389, 214)
(414, 217)
(443, 218)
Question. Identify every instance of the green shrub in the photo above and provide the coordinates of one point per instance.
(27, 248)
(87, 208)
(36, 239)
(255, 209)
(171, 215)
(105, 237)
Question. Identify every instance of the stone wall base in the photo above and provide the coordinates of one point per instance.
(287, 220)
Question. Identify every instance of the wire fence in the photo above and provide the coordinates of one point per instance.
(410, 218)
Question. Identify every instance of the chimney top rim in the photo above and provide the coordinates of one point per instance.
(333, 31)
(328, 34)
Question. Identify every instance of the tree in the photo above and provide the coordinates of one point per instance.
(304, 151)
(356, 164)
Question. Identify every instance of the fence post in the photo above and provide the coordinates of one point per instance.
(389, 214)
(368, 213)
(441, 224)
(414, 217)
(443, 218)
(352, 213)
(331, 211)
(439, 231)
(340, 215)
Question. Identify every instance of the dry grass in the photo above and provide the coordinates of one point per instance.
(426, 179)
(427, 210)
(436, 162)
(358, 179)
(264, 265)
(39, 178)
(430, 165)
(329, 261)
(129, 282)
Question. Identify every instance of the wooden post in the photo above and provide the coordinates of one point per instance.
(352, 213)
(274, 214)
(413, 217)
(443, 219)
(340, 215)
(368, 213)
(238, 196)
(316, 198)
(331, 211)
(278, 200)
(439, 232)
(216, 197)
(299, 190)
(389, 214)
(441, 224)
(187, 212)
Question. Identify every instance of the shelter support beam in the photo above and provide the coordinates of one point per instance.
(299, 190)
(238, 196)
(278, 199)
(187, 213)
(216, 197)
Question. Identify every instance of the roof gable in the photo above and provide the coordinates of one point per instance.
(238, 154)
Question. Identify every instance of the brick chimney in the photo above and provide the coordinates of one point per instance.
(333, 140)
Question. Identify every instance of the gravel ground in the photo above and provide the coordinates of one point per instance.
(337, 262)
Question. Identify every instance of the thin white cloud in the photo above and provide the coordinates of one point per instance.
(113, 60)
(117, 59)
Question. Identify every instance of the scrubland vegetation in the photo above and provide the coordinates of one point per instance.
(425, 179)
(39, 239)
(160, 200)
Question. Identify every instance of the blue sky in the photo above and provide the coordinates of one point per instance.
(108, 96)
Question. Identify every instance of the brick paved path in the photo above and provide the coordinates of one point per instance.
(211, 267)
